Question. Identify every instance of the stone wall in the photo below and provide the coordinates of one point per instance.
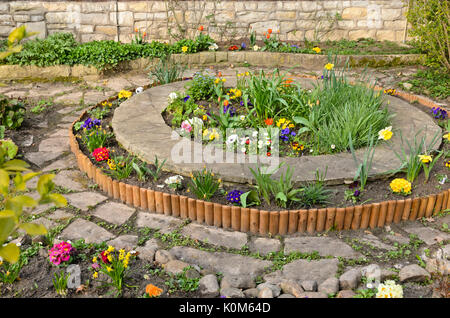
(223, 19)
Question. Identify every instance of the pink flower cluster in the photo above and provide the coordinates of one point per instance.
(60, 253)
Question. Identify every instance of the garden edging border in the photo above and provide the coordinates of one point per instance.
(263, 222)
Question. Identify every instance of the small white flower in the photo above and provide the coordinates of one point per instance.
(255, 48)
(173, 179)
(333, 146)
(139, 90)
(213, 47)
(68, 241)
(160, 185)
(243, 149)
(369, 285)
(9, 238)
(268, 142)
(231, 139)
(260, 144)
(173, 96)
(311, 150)
(255, 133)
(242, 117)
(18, 244)
(266, 134)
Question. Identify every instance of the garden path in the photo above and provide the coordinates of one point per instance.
(93, 216)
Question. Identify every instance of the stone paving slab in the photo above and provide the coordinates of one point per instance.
(215, 236)
(325, 246)
(165, 224)
(264, 246)
(72, 180)
(45, 222)
(55, 144)
(59, 215)
(41, 157)
(60, 133)
(318, 270)
(376, 242)
(90, 232)
(68, 162)
(426, 234)
(231, 264)
(126, 242)
(85, 200)
(112, 212)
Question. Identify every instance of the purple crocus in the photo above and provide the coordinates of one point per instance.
(243, 46)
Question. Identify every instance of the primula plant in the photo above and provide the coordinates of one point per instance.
(60, 253)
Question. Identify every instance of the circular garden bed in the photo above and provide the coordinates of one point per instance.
(335, 201)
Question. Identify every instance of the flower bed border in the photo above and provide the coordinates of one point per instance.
(263, 222)
(263, 59)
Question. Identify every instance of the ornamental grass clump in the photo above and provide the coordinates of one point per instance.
(113, 264)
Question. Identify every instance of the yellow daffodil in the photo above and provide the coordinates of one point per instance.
(94, 260)
(447, 136)
(184, 49)
(329, 66)
(385, 133)
(109, 268)
(95, 275)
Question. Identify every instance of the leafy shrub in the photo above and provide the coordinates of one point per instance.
(430, 21)
(12, 112)
(433, 82)
(54, 50)
(201, 87)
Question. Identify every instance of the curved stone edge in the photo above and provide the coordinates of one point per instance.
(147, 108)
(264, 59)
(264, 222)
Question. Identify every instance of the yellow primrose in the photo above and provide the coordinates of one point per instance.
(184, 49)
(425, 158)
(125, 94)
(401, 186)
(95, 275)
(317, 49)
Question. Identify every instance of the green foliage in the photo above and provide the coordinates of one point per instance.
(121, 167)
(41, 106)
(99, 112)
(166, 70)
(365, 293)
(201, 87)
(10, 149)
(62, 49)
(60, 282)
(95, 137)
(12, 112)
(9, 272)
(264, 182)
(431, 82)
(315, 193)
(203, 184)
(13, 42)
(430, 24)
(284, 191)
(14, 202)
(363, 170)
(142, 170)
(181, 110)
(181, 282)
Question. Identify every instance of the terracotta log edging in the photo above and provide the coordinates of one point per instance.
(258, 221)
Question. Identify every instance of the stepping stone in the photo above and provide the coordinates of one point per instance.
(66, 110)
(112, 212)
(41, 157)
(226, 263)
(45, 222)
(376, 242)
(264, 246)
(209, 286)
(69, 99)
(126, 242)
(165, 224)
(68, 162)
(215, 236)
(55, 144)
(426, 234)
(91, 98)
(400, 239)
(85, 200)
(69, 119)
(413, 273)
(60, 133)
(318, 270)
(175, 267)
(117, 84)
(147, 252)
(90, 232)
(325, 246)
(72, 180)
(59, 215)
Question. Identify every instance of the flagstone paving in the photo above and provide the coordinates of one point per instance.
(242, 259)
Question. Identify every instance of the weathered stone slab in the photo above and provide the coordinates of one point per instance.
(55, 144)
(376, 242)
(90, 232)
(147, 252)
(59, 215)
(68, 162)
(428, 235)
(163, 223)
(85, 200)
(215, 236)
(264, 246)
(112, 212)
(126, 242)
(318, 270)
(325, 246)
(41, 157)
(225, 263)
(72, 180)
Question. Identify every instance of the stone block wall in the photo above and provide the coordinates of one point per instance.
(223, 19)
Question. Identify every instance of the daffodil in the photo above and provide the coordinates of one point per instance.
(425, 158)
(385, 133)
(447, 136)
(184, 49)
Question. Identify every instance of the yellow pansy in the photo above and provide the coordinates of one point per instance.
(317, 49)
(329, 66)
